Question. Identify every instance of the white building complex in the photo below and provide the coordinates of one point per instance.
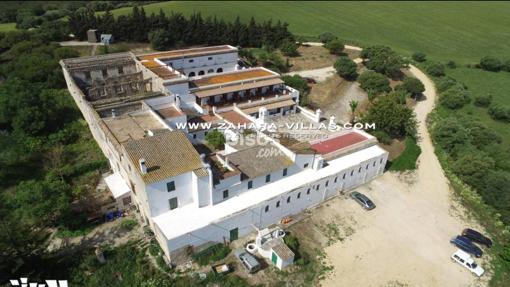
(150, 113)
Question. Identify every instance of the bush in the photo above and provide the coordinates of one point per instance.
(500, 113)
(289, 48)
(489, 63)
(382, 137)
(407, 160)
(483, 101)
(154, 249)
(346, 68)
(413, 86)
(383, 60)
(215, 138)
(445, 83)
(335, 47)
(211, 254)
(374, 83)
(451, 135)
(297, 82)
(451, 64)
(160, 261)
(419, 57)
(327, 37)
(506, 66)
(435, 69)
(161, 40)
(128, 224)
(454, 98)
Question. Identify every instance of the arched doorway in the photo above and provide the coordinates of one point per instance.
(219, 70)
(192, 74)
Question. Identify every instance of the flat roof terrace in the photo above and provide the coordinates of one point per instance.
(132, 126)
(242, 75)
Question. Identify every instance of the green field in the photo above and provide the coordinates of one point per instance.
(5, 27)
(480, 83)
(460, 31)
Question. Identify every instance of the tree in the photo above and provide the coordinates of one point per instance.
(435, 69)
(451, 135)
(391, 117)
(419, 57)
(161, 40)
(454, 98)
(346, 68)
(353, 105)
(300, 84)
(489, 63)
(483, 101)
(289, 48)
(413, 86)
(215, 138)
(472, 166)
(383, 60)
(335, 47)
(500, 113)
(506, 66)
(327, 37)
(374, 83)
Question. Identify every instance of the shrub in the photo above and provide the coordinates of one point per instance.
(346, 68)
(215, 138)
(160, 261)
(374, 83)
(451, 64)
(445, 83)
(154, 249)
(382, 137)
(383, 60)
(435, 69)
(161, 39)
(292, 242)
(506, 66)
(128, 224)
(327, 37)
(289, 48)
(483, 101)
(413, 86)
(297, 82)
(335, 47)
(500, 113)
(211, 254)
(451, 135)
(454, 98)
(419, 57)
(489, 63)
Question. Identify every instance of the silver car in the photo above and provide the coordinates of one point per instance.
(363, 200)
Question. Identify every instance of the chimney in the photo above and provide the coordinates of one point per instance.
(113, 113)
(143, 166)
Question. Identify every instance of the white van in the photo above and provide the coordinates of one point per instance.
(465, 260)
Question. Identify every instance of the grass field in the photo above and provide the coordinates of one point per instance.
(460, 31)
(481, 83)
(6, 27)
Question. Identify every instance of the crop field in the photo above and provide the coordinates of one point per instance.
(460, 31)
(5, 27)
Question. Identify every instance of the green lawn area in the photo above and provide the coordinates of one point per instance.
(460, 31)
(407, 160)
(6, 27)
(480, 82)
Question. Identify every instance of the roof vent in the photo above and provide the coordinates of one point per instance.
(143, 166)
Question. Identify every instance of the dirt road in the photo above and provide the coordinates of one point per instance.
(405, 240)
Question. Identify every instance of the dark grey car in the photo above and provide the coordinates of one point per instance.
(363, 200)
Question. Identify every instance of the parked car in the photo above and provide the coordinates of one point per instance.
(465, 244)
(477, 237)
(363, 200)
(465, 260)
(310, 80)
(247, 260)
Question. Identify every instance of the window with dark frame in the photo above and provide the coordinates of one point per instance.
(268, 178)
(305, 166)
(308, 191)
(288, 199)
(173, 203)
(170, 186)
(250, 184)
(284, 172)
(266, 209)
(278, 204)
(225, 193)
(299, 195)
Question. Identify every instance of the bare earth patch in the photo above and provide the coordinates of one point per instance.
(315, 57)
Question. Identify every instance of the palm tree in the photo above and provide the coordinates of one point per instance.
(354, 105)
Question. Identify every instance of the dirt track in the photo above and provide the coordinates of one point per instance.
(405, 240)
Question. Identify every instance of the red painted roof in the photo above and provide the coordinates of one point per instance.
(337, 143)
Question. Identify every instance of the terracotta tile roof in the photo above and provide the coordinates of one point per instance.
(233, 77)
(270, 106)
(218, 90)
(192, 52)
(234, 118)
(169, 112)
(166, 155)
(337, 143)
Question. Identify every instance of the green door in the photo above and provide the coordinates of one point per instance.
(234, 234)
(274, 258)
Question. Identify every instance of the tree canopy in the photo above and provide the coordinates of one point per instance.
(382, 59)
(346, 68)
(374, 83)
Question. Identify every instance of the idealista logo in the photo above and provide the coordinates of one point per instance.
(23, 282)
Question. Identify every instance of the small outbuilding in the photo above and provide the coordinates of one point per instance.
(106, 39)
(281, 255)
(92, 36)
